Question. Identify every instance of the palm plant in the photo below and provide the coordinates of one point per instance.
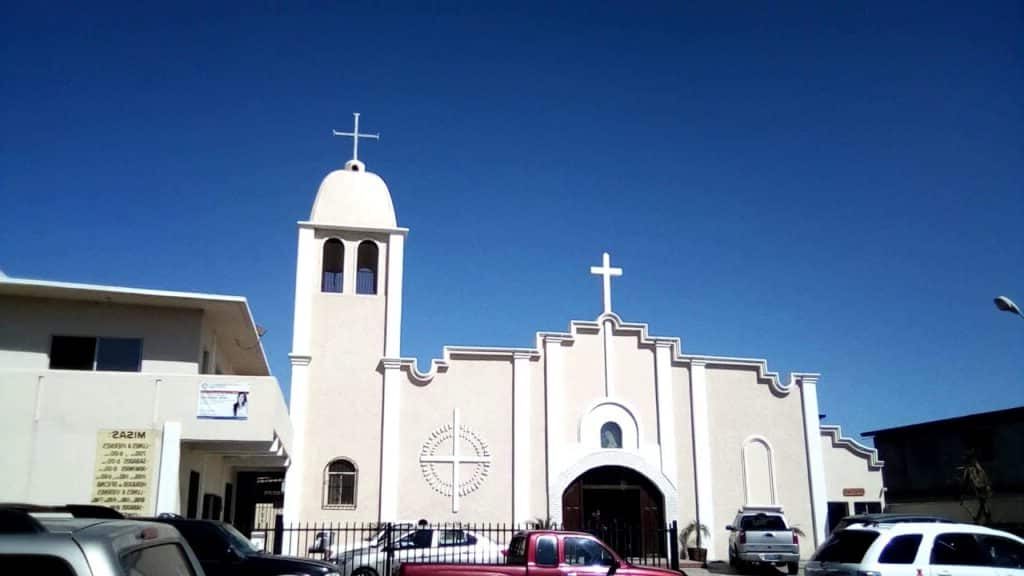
(691, 529)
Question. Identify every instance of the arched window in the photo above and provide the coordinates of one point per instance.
(758, 472)
(611, 435)
(334, 265)
(340, 484)
(366, 275)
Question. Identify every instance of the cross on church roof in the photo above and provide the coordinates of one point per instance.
(356, 135)
(606, 270)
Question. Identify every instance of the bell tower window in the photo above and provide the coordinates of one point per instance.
(334, 265)
(366, 268)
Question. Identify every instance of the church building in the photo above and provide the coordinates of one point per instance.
(599, 421)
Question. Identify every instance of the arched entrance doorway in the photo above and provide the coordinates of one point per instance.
(618, 505)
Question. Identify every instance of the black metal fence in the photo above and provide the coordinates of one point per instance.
(372, 549)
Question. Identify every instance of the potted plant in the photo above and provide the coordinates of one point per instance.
(697, 552)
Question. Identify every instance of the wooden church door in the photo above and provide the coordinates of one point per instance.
(572, 506)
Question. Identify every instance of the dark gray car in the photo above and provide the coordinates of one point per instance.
(224, 551)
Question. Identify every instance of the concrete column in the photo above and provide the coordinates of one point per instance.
(306, 285)
(702, 452)
(815, 463)
(294, 479)
(666, 410)
(521, 459)
(393, 310)
(607, 333)
(390, 440)
(167, 490)
(554, 391)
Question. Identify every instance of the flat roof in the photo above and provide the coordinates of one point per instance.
(989, 417)
(231, 314)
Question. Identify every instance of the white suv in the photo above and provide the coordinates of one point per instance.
(918, 549)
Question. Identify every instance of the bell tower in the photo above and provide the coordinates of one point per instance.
(348, 316)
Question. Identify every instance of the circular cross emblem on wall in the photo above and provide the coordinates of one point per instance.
(442, 467)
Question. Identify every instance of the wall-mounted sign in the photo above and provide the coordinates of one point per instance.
(223, 401)
(853, 492)
(123, 475)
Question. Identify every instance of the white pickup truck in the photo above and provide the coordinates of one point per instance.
(762, 536)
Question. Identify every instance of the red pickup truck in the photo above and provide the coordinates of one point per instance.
(545, 553)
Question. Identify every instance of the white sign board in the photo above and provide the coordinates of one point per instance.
(223, 401)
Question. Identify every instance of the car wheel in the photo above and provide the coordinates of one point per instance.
(364, 572)
(737, 564)
(792, 567)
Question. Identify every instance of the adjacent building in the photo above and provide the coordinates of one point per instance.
(145, 400)
(854, 476)
(943, 467)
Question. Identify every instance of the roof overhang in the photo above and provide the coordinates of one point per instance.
(230, 314)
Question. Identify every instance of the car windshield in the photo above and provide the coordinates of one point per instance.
(240, 542)
(762, 522)
(397, 532)
(846, 547)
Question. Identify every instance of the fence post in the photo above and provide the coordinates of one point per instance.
(673, 545)
(278, 533)
(389, 547)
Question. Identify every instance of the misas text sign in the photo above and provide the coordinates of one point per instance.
(123, 476)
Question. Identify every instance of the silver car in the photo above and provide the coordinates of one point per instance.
(54, 541)
(448, 545)
(761, 536)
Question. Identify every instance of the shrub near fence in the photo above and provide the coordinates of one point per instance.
(372, 549)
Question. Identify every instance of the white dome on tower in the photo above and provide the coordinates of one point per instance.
(353, 197)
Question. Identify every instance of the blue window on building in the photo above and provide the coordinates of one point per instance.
(366, 275)
(334, 264)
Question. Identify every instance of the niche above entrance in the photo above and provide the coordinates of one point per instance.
(608, 414)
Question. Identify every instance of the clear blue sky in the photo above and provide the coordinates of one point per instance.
(833, 186)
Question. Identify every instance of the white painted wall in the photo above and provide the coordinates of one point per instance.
(742, 406)
(51, 418)
(845, 469)
(481, 389)
(344, 336)
(170, 336)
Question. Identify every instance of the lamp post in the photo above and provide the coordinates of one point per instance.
(1007, 305)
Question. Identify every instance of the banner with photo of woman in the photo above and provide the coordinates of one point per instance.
(223, 401)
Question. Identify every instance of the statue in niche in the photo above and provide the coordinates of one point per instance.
(611, 435)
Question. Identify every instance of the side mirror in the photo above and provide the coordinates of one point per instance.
(612, 568)
(730, 528)
(233, 555)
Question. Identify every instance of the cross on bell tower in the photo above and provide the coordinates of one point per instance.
(356, 135)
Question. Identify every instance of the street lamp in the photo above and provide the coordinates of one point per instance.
(1007, 305)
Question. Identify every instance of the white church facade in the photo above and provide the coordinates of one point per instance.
(599, 422)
